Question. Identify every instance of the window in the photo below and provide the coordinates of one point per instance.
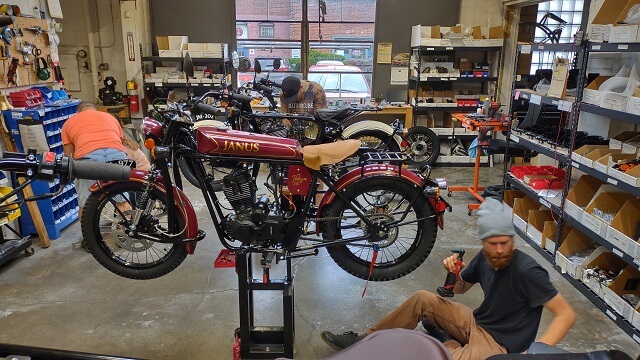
(266, 30)
(569, 11)
(338, 30)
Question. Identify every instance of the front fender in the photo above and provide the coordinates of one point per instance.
(369, 171)
(369, 125)
(183, 204)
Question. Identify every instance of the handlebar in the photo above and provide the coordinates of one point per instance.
(49, 166)
(207, 109)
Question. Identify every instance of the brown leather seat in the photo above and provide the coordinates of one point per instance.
(316, 156)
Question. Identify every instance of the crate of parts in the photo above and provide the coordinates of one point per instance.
(52, 119)
(31, 98)
(57, 212)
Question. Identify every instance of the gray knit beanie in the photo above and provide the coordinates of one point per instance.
(494, 220)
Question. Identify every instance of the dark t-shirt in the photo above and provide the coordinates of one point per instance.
(312, 100)
(513, 299)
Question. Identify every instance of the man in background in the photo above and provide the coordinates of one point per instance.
(301, 96)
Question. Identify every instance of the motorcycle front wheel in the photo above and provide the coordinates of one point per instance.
(423, 145)
(105, 217)
(383, 199)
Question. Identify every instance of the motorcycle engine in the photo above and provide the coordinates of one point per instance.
(251, 224)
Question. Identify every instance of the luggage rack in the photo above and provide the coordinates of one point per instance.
(399, 158)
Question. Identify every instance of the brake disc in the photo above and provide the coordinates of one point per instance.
(117, 238)
(391, 235)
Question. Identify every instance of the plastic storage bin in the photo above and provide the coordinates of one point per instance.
(62, 210)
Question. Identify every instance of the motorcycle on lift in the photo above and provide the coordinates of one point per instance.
(419, 142)
(378, 221)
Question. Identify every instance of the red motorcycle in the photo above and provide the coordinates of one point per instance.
(377, 213)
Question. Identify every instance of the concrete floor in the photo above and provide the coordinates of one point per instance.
(62, 298)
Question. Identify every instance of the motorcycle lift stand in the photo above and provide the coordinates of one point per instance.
(264, 342)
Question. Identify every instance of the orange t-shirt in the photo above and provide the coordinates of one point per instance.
(91, 130)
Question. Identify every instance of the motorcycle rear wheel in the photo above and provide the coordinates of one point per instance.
(383, 198)
(103, 217)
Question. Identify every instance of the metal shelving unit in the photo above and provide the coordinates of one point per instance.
(442, 81)
(564, 156)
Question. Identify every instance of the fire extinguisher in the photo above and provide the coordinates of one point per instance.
(132, 91)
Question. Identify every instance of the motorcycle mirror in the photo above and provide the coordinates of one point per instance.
(187, 65)
(235, 60)
(276, 64)
(256, 66)
(245, 64)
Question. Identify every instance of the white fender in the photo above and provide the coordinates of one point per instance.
(212, 123)
(370, 125)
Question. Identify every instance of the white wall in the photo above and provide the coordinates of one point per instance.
(481, 12)
(74, 38)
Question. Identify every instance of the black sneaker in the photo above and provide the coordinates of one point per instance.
(85, 246)
(342, 341)
(436, 331)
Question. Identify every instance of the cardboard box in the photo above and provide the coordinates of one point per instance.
(521, 209)
(509, 198)
(617, 141)
(598, 159)
(628, 282)
(609, 13)
(630, 177)
(623, 33)
(535, 226)
(608, 199)
(633, 107)
(579, 154)
(614, 101)
(632, 146)
(635, 321)
(604, 260)
(550, 235)
(216, 51)
(591, 93)
(580, 195)
(426, 35)
(575, 241)
(496, 36)
(624, 227)
(464, 64)
(476, 39)
(171, 46)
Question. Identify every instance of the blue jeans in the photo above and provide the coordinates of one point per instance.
(101, 155)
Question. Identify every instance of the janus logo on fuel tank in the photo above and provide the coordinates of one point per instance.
(240, 146)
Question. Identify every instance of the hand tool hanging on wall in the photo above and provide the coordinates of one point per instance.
(36, 29)
(7, 34)
(12, 75)
(6, 20)
(26, 48)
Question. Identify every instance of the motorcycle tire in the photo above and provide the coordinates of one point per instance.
(383, 141)
(211, 167)
(415, 252)
(423, 145)
(113, 251)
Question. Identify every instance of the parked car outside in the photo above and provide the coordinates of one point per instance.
(329, 74)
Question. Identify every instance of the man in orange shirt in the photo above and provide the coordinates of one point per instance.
(92, 135)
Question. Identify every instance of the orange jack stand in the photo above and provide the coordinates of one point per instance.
(472, 190)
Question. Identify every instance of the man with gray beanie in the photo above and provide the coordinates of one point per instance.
(516, 289)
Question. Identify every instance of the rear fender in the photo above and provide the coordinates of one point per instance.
(364, 125)
(183, 204)
(369, 171)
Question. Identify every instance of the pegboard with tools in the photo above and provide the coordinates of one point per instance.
(28, 61)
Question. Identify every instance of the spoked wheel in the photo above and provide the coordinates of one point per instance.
(106, 216)
(423, 145)
(401, 249)
(218, 169)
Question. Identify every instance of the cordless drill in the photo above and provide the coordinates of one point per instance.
(452, 277)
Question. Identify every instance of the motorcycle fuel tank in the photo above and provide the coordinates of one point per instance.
(222, 141)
